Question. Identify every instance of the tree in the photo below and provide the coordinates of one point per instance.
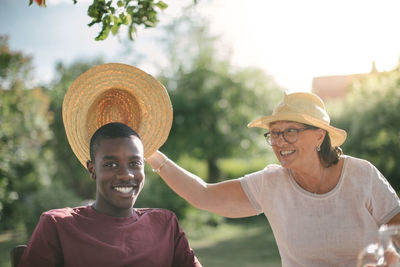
(112, 14)
(25, 163)
(370, 116)
(213, 101)
(70, 171)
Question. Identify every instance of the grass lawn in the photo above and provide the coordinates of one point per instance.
(237, 243)
(9, 240)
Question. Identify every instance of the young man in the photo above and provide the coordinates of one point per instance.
(110, 232)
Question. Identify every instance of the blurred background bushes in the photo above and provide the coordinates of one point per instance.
(370, 115)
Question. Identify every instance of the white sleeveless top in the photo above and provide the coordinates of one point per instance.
(328, 229)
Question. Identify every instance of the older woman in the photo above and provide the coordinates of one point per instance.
(323, 207)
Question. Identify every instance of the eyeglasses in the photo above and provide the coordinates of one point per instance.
(290, 135)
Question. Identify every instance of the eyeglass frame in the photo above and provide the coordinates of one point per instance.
(267, 135)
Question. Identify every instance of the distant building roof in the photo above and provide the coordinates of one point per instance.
(333, 87)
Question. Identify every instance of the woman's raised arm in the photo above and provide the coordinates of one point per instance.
(225, 198)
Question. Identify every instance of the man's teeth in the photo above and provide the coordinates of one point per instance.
(123, 189)
(287, 152)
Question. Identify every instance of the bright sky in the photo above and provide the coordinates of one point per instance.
(291, 40)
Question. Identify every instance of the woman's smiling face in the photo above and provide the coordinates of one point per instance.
(300, 153)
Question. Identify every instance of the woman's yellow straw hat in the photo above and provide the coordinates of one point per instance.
(116, 92)
(305, 108)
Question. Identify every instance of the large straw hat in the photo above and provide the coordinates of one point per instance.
(305, 108)
(116, 93)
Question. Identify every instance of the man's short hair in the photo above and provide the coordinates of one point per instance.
(109, 131)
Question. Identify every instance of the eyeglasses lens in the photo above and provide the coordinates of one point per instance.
(289, 135)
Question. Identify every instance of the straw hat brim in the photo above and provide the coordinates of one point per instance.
(116, 92)
(337, 136)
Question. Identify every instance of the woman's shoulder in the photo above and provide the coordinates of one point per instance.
(274, 169)
(271, 170)
(358, 163)
(360, 170)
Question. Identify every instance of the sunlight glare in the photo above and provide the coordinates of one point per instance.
(297, 40)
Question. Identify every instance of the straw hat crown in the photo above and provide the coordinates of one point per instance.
(303, 103)
(305, 108)
(116, 92)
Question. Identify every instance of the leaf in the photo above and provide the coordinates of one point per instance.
(114, 29)
(130, 9)
(132, 30)
(92, 11)
(103, 33)
(123, 19)
(92, 23)
(120, 3)
(107, 19)
(128, 19)
(149, 24)
(161, 5)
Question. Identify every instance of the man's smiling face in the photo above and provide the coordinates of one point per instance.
(118, 169)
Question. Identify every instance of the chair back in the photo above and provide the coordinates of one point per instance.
(16, 254)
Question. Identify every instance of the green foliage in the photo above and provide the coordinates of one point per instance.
(195, 166)
(234, 168)
(14, 66)
(156, 194)
(200, 222)
(47, 198)
(213, 101)
(70, 171)
(112, 14)
(25, 163)
(132, 13)
(370, 116)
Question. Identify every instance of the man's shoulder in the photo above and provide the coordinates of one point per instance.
(141, 211)
(155, 212)
(64, 212)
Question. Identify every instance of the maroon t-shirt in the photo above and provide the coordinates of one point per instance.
(82, 237)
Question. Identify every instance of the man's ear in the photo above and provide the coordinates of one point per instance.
(90, 167)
